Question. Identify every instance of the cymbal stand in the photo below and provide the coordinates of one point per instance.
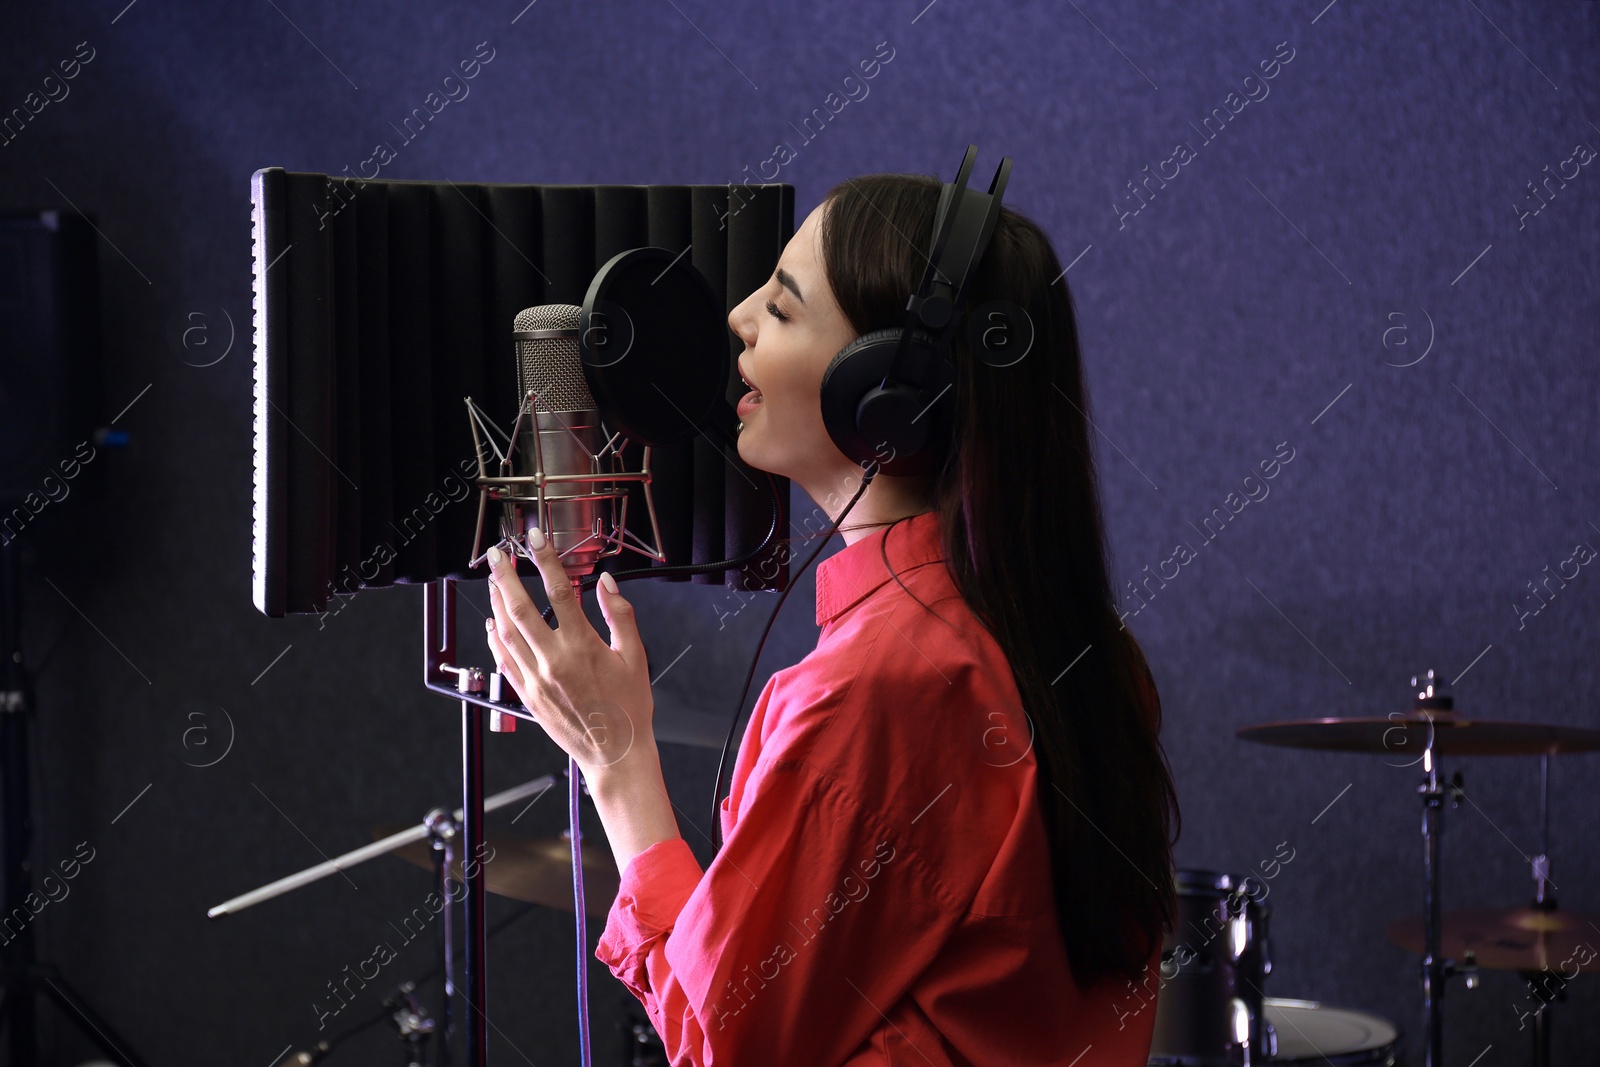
(1435, 970)
(1547, 988)
(443, 831)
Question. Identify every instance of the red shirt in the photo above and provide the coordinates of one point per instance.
(883, 894)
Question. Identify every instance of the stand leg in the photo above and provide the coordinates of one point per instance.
(15, 710)
(25, 977)
(475, 987)
(98, 1030)
(20, 1016)
(445, 864)
(1432, 964)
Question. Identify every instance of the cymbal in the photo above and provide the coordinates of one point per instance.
(1514, 939)
(535, 870)
(1405, 735)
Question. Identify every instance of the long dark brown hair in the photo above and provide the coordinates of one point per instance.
(1020, 520)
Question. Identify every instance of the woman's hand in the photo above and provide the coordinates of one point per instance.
(592, 700)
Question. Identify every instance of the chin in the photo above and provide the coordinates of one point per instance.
(745, 452)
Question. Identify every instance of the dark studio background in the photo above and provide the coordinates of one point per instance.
(1364, 204)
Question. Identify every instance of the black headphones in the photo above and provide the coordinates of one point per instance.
(888, 396)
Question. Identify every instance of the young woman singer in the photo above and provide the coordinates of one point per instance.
(949, 832)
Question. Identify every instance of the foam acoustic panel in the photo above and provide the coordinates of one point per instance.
(379, 305)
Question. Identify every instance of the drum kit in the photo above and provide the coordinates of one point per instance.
(1211, 1006)
(1212, 1010)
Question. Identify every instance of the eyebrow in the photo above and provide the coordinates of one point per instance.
(787, 282)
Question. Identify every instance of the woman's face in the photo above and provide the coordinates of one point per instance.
(784, 357)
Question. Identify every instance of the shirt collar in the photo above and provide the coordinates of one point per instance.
(853, 573)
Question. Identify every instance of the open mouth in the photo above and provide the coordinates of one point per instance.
(745, 378)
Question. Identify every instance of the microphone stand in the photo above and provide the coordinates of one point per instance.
(439, 652)
(439, 648)
(438, 659)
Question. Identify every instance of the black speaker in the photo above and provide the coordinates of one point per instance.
(49, 363)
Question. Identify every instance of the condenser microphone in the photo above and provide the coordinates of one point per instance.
(561, 438)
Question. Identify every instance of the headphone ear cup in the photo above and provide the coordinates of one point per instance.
(857, 368)
(889, 338)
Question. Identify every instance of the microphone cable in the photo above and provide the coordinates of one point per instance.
(870, 472)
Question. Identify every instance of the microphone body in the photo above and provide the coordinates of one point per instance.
(561, 439)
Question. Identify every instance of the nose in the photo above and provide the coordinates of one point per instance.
(740, 322)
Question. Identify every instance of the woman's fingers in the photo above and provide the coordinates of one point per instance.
(510, 631)
(622, 623)
(521, 614)
(558, 586)
(503, 661)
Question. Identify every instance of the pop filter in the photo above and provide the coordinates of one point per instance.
(654, 346)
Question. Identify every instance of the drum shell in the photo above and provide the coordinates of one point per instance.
(1214, 964)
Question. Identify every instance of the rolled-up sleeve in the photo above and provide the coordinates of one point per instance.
(813, 917)
(654, 888)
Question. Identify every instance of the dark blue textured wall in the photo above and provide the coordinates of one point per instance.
(1381, 260)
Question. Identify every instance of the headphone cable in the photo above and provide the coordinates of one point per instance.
(870, 472)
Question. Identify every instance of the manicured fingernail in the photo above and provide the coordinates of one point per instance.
(488, 624)
(495, 557)
(609, 582)
(536, 538)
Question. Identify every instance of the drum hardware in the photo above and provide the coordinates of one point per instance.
(645, 1047)
(1529, 940)
(1433, 726)
(533, 870)
(407, 1017)
(440, 831)
(1546, 946)
(339, 864)
(401, 1009)
(443, 834)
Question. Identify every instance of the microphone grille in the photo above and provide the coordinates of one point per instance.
(550, 365)
(550, 317)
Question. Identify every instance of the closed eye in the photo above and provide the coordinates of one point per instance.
(776, 312)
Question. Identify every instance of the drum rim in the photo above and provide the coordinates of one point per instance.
(1193, 878)
(1378, 1054)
